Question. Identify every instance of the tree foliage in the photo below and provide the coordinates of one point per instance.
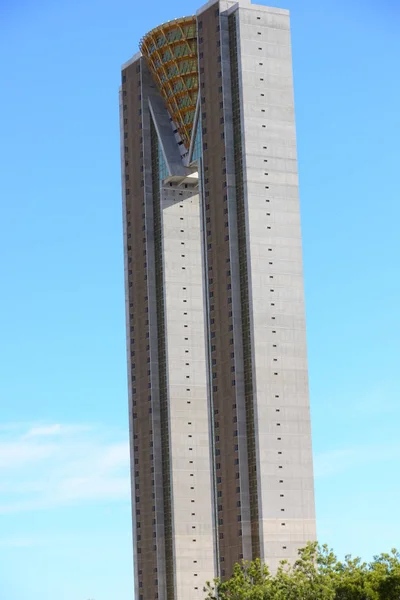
(317, 574)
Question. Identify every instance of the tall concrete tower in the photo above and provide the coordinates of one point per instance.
(218, 386)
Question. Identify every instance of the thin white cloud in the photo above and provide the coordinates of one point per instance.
(377, 400)
(20, 454)
(344, 459)
(39, 468)
(56, 429)
(45, 430)
(19, 542)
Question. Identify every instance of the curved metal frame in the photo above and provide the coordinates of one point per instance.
(159, 68)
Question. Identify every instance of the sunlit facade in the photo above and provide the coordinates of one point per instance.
(218, 381)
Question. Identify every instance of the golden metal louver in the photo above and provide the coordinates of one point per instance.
(171, 52)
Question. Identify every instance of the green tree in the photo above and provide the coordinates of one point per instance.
(317, 574)
(250, 581)
(384, 576)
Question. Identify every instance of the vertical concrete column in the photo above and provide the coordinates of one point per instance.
(283, 436)
(187, 392)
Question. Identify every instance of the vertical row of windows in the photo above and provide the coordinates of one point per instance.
(275, 359)
(244, 292)
(187, 321)
(217, 247)
(143, 469)
(159, 171)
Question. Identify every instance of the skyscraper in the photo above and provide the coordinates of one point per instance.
(218, 386)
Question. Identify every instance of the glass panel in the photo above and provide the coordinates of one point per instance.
(197, 143)
(162, 165)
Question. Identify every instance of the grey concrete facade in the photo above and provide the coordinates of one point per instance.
(191, 472)
(218, 380)
(284, 456)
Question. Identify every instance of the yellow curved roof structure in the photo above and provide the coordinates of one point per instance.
(171, 52)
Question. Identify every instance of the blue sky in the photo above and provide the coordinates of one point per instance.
(64, 487)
